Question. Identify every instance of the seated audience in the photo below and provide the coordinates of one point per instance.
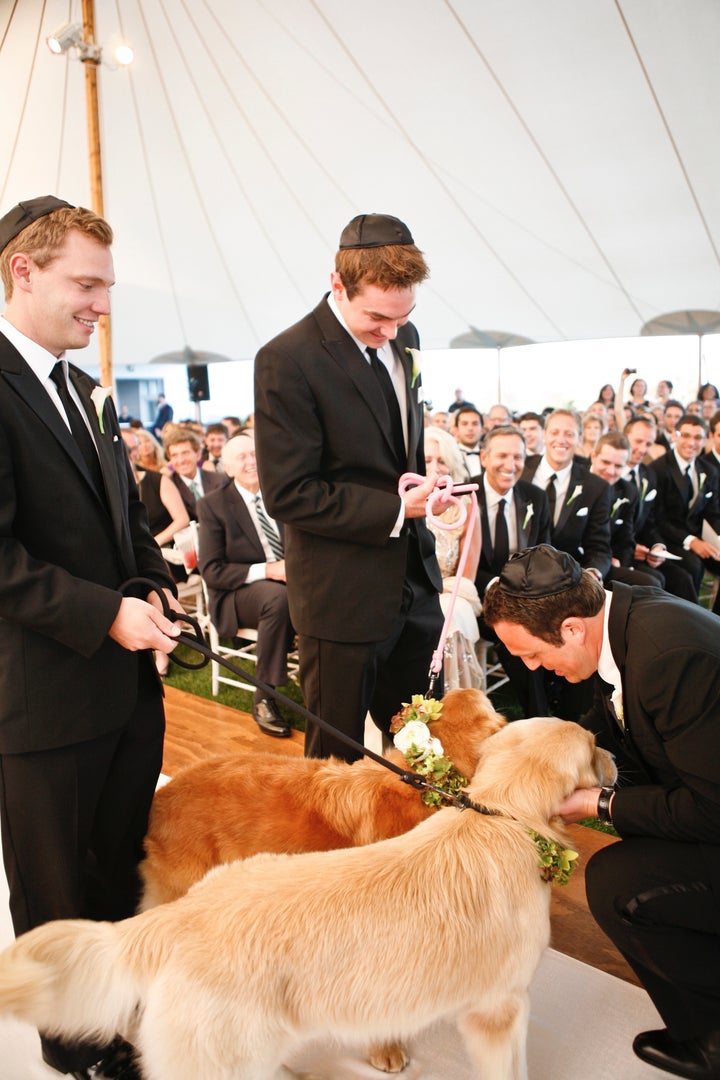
(592, 429)
(712, 446)
(216, 436)
(467, 429)
(151, 456)
(242, 561)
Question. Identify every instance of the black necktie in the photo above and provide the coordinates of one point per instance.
(273, 539)
(551, 492)
(501, 547)
(78, 427)
(632, 479)
(689, 490)
(393, 405)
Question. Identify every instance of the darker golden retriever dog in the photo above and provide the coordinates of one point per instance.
(449, 919)
(233, 807)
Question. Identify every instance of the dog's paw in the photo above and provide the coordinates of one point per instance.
(388, 1057)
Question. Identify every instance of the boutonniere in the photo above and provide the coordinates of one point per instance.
(98, 397)
(528, 515)
(643, 488)
(414, 355)
(617, 700)
(576, 494)
(616, 506)
(702, 481)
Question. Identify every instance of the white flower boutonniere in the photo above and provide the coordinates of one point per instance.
(702, 481)
(617, 700)
(616, 506)
(643, 488)
(98, 397)
(414, 354)
(528, 516)
(575, 495)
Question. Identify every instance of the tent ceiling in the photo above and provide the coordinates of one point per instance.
(557, 160)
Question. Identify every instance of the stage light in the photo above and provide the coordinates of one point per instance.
(64, 38)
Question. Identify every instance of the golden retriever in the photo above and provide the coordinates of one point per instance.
(449, 919)
(229, 808)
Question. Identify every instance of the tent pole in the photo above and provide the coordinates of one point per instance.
(91, 63)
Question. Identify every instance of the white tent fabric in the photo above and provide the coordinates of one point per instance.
(557, 160)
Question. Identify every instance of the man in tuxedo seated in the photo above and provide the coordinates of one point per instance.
(712, 448)
(650, 547)
(242, 561)
(467, 429)
(580, 506)
(513, 515)
(609, 461)
(687, 500)
(216, 435)
(183, 449)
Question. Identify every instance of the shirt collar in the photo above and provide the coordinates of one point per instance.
(35, 356)
(608, 670)
(546, 471)
(385, 351)
(492, 498)
(682, 464)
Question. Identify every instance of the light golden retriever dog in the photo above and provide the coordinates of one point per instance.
(448, 920)
(229, 808)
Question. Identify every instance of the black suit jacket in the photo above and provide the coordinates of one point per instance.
(210, 481)
(533, 526)
(583, 528)
(229, 545)
(668, 654)
(646, 530)
(64, 551)
(623, 510)
(675, 518)
(328, 471)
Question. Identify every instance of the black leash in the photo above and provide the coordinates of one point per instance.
(140, 587)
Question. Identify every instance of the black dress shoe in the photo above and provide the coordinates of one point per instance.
(696, 1059)
(270, 720)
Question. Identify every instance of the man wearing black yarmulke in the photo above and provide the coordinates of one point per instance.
(338, 420)
(81, 713)
(655, 660)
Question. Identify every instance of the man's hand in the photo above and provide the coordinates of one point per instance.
(275, 571)
(703, 549)
(656, 555)
(582, 803)
(140, 625)
(416, 498)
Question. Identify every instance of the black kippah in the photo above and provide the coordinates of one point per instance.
(539, 571)
(25, 213)
(375, 230)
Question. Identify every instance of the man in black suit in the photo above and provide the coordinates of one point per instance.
(580, 505)
(183, 450)
(81, 714)
(338, 420)
(650, 547)
(655, 661)
(579, 502)
(163, 416)
(241, 560)
(687, 499)
(514, 515)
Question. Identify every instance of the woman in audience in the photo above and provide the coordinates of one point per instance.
(151, 456)
(592, 429)
(607, 396)
(460, 665)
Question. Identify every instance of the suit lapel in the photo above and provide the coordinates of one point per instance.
(26, 384)
(524, 522)
(239, 514)
(572, 501)
(348, 357)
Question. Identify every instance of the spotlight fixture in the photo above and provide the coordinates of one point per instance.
(64, 38)
(124, 55)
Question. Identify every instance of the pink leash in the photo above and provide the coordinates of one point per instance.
(445, 493)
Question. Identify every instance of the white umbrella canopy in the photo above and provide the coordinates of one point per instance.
(557, 160)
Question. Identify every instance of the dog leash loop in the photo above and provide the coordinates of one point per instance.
(140, 587)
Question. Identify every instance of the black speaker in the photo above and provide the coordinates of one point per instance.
(198, 382)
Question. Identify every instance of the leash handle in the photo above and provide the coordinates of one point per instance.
(445, 492)
(140, 587)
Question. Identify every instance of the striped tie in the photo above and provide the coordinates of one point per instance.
(276, 544)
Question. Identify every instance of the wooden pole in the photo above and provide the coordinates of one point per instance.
(96, 179)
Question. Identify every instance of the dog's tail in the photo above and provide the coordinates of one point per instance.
(66, 979)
